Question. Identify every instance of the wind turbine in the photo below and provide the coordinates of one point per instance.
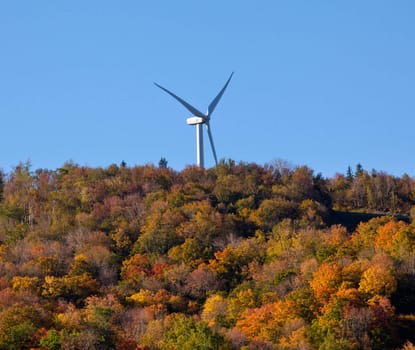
(198, 119)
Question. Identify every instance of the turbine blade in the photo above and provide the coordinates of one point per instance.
(213, 104)
(189, 107)
(211, 142)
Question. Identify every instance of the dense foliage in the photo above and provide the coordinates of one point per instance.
(239, 256)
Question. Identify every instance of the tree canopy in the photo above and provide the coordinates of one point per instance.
(240, 256)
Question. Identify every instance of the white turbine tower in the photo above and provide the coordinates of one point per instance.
(199, 119)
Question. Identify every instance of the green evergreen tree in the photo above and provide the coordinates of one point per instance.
(349, 174)
(163, 163)
(359, 169)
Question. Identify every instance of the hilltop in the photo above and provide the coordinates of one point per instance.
(236, 256)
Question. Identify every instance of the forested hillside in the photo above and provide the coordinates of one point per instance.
(240, 256)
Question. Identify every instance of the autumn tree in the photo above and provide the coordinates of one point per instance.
(19, 325)
(379, 278)
(276, 323)
(326, 281)
(158, 233)
(231, 264)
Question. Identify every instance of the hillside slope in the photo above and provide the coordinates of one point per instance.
(238, 256)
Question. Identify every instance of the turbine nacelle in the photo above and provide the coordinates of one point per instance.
(195, 121)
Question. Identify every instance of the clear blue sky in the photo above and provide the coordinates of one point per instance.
(320, 83)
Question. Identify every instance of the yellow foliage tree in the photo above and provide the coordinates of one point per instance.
(215, 310)
(243, 300)
(26, 283)
(387, 234)
(378, 280)
(144, 297)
